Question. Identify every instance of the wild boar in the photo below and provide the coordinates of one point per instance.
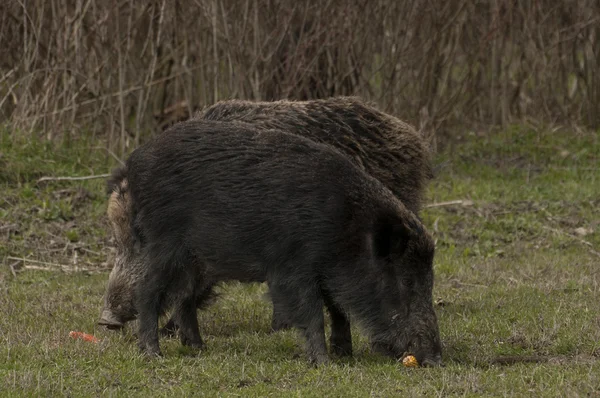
(218, 201)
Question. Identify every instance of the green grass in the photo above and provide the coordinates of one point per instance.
(517, 286)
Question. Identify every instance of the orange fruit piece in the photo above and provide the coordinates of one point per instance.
(83, 336)
(410, 361)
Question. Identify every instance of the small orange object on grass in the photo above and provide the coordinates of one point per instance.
(410, 361)
(83, 336)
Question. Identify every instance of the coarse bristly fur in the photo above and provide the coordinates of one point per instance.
(218, 201)
(387, 148)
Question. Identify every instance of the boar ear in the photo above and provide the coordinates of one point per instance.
(391, 238)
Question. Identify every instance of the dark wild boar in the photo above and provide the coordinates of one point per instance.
(215, 201)
(384, 146)
(381, 144)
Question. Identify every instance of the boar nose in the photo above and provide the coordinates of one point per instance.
(109, 320)
(433, 362)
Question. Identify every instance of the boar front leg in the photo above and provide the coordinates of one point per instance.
(148, 311)
(303, 305)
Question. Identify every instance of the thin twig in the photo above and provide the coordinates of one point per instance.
(52, 266)
(73, 178)
(473, 284)
(35, 261)
(106, 96)
(5, 76)
(450, 203)
(12, 268)
(111, 153)
(64, 269)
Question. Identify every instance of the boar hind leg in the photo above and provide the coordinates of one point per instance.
(304, 308)
(204, 299)
(185, 317)
(341, 337)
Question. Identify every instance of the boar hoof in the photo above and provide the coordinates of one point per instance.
(435, 362)
(318, 360)
(342, 349)
(280, 324)
(192, 343)
(150, 351)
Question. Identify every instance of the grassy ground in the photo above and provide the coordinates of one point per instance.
(517, 286)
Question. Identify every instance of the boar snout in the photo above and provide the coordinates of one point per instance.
(427, 355)
(109, 320)
(433, 362)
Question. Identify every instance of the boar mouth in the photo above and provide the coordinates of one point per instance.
(109, 320)
(425, 357)
(425, 361)
(433, 362)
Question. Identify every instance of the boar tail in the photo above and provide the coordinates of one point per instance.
(117, 182)
(120, 210)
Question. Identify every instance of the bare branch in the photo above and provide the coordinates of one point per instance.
(451, 203)
(111, 153)
(81, 178)
(112, 66)
(52, 266)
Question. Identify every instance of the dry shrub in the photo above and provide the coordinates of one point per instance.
(126, 69)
